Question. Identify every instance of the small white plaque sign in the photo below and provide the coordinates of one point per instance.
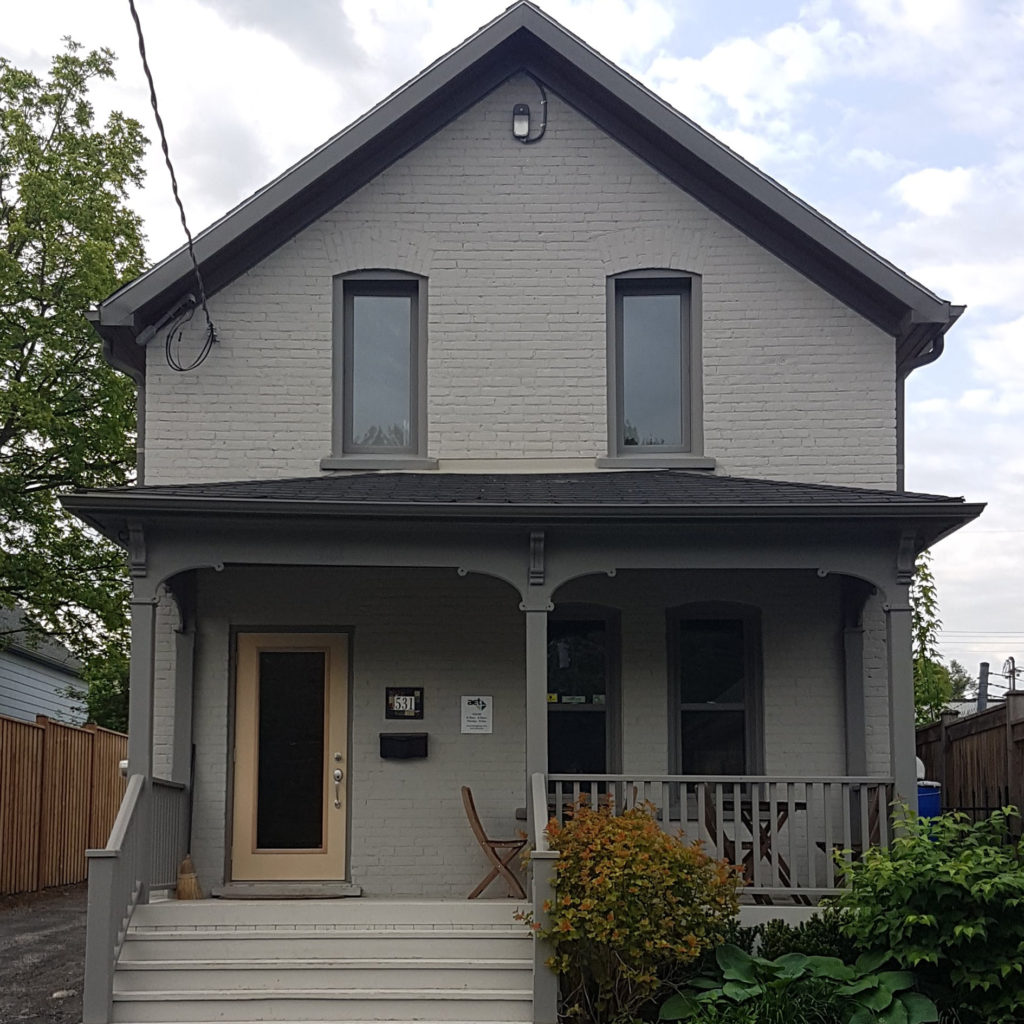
(477, 714)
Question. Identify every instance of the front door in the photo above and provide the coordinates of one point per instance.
(290, 757)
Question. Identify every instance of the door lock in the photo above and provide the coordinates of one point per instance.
(338, 776)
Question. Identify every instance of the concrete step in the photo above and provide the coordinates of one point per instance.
(336, 913)
(356, 961)
(348, 1005)
(322, 973)
(310, 943)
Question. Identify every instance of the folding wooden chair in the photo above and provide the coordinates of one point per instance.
(499, 852)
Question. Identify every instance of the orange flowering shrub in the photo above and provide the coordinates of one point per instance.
(634, 907)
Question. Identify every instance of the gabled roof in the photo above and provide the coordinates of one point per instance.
(667, 495)
(18, 639)
(525, 38)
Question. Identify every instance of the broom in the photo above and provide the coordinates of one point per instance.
(188, 884)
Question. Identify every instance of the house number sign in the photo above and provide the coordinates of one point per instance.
(404, 702)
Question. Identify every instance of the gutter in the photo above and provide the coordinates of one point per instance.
(97, 503)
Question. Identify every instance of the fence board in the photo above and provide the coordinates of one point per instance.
(978, 759)
(59, 791)
(21, 760)
(108, 785)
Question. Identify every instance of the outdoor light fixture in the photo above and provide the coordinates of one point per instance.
(521, 120)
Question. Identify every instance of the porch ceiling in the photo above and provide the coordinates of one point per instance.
(624, 495)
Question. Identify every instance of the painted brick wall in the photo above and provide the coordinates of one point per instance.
(804, 732)
(163, 688)
(517, 243)
(876, 688)
(454, 636)
(460, 636)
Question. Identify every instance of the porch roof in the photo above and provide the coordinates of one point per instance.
(640, 494)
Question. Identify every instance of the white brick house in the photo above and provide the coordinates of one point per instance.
(601, 424)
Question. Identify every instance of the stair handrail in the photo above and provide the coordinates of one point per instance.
(542, 864)
(116, 885)
(143, 843)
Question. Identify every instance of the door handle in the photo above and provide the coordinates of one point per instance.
(338, 776)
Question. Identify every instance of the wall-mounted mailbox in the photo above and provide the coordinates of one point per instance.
(403, 745)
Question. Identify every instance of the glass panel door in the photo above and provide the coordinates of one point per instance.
(289, 814)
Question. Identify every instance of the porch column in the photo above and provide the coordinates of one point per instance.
(855, 596)
(183, 589)
(141, 672)
(856, 724)
(184, 660)
(536, 699)
(902, 744)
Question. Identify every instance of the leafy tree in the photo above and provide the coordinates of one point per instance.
(932, 690)
(67, 239)
(962, 684)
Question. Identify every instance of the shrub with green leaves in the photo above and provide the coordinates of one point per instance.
(820, 935)
(800, 988)
(946, 900)
(634, 909)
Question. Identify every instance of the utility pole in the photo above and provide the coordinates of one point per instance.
(983, 686)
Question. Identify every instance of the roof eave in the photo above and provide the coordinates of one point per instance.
(126, 505)
(889, 297)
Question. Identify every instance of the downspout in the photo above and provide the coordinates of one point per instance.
(136, 374)
(922, 359)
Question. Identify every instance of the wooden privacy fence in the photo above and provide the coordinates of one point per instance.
(979, 760)
(60, 789)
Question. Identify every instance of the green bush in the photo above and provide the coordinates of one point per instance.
(634, 910)
(798, 988)
(820, 935)
(947, 900)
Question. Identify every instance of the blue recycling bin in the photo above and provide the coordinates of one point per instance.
(929, 799)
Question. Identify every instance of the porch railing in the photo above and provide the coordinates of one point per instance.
(146, 845)
(783, 831)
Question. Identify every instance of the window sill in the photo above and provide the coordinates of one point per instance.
(363, 462)
(677, 460)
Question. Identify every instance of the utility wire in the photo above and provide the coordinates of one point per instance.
(177, 328)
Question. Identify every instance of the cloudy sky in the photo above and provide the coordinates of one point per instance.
(902, 120)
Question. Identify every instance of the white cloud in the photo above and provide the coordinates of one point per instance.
(999, 361)
(934, 191)
(876, 159)
(753, 79)
(941, 22)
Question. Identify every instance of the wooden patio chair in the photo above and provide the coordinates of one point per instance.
(500, 852)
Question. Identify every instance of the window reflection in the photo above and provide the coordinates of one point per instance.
(652, 370)
(381, 371)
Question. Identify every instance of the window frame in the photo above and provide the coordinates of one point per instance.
(753, 702)
(345, 453)
(690, 452)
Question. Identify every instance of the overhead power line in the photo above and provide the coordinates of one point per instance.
(174, 332)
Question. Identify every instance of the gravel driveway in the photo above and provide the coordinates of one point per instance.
(42, 954)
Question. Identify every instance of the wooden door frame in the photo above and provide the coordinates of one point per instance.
(232, 701)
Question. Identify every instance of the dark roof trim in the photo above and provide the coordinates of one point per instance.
(85, 503)
(526, 38)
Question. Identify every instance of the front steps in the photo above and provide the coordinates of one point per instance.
(356, 961)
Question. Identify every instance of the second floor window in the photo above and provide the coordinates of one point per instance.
(380, 365)
(654, 398)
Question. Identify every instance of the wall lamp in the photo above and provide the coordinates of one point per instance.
(521, 117)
